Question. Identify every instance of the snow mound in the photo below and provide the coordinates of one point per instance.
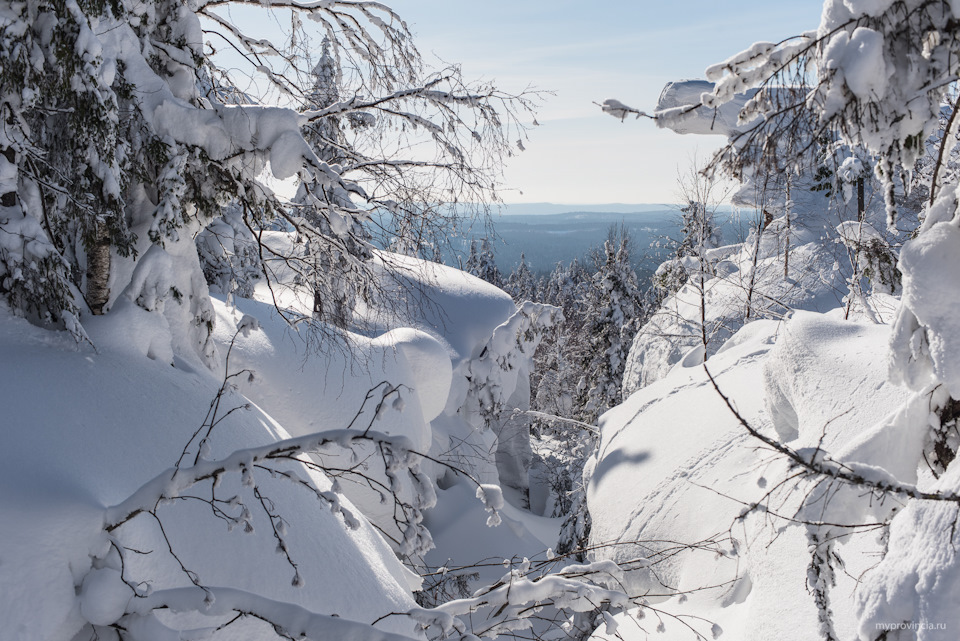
(456, 308)
(429, 365)
(799, 404)
(737, 289)
(116, 421)
(684, 533)
(915, 588)
(928, 327)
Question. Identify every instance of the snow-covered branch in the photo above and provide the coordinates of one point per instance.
(173, 482)
(820, 467)
(290, 621)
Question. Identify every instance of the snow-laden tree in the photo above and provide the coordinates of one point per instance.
(482, 264)
(229, 255)
(873, 75)
(521, 283)
(611, 321)
(563, 443)
(702, 196)
(123, 136)
(556, 373)
(473, 258)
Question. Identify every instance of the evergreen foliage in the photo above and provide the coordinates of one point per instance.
(612, 316)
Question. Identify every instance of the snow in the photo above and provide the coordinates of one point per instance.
(767, 434)
(117, 419)
(928, 298)
(650, 442)
(859, 58)
(814, 381)
(673, 110)
(458, 329)
(800, 406)
(104, 596)
(324, 391)
(789, 258)
(429, 363)
(733, 285)
(49, 529)
(916, 585)
(456, 308)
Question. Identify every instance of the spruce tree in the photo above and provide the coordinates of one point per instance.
(487, 269)
(522, 284)
(610, 326)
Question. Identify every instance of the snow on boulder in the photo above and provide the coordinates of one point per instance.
(693, 470)
(490, 344)
(853, 353)
(104, 596)
(458, 309)
(394, 384)
(669, 443)
(117, 420)
(429, 365)
(309, 390)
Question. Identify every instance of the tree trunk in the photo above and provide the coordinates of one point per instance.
(753, 268)
(786, 246)
(98, 271)
(861, 206)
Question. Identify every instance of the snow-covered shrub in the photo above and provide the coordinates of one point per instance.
(229, 255)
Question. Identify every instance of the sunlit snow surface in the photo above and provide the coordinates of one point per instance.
(692, 469)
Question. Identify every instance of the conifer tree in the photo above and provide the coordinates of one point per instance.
(481, 263)
(612, 315)
(472, 265)
(522, 284)
(487, 269)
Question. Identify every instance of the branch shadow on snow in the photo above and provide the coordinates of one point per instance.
(611, 461)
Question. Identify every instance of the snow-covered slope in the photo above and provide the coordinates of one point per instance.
(84, 429)
(737, 289)
(685, 528)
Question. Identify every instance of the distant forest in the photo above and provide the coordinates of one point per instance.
(548, 239)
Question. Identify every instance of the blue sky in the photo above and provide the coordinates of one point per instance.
(587, 53)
